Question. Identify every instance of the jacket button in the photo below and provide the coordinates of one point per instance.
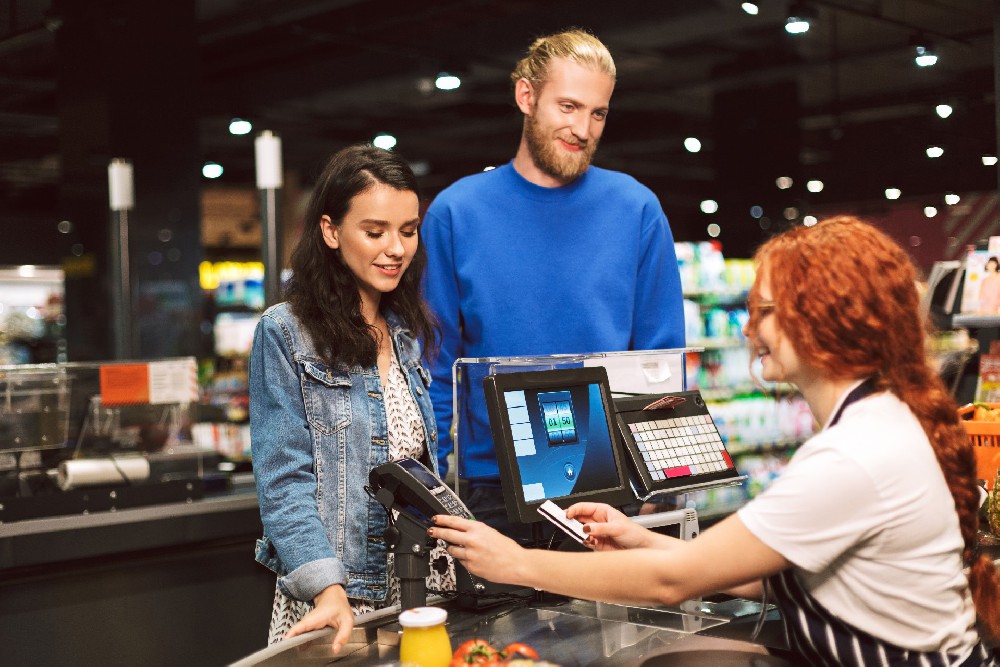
(420, 391)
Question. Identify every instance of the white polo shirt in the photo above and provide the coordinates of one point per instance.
(864, 514)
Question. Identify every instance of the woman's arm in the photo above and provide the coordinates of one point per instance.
(721, 558)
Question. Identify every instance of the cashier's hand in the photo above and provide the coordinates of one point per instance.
(332, 609)
(608, 528)
(480, 549)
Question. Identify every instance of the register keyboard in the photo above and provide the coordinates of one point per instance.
(672, 442)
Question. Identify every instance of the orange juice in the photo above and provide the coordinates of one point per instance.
(425, 641)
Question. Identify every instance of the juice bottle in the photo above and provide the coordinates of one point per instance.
(425, 641)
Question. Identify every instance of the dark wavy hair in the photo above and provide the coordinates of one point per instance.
(853, 289)
(323, 291)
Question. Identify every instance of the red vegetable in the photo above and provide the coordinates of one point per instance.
(475, 652)
(518, 651)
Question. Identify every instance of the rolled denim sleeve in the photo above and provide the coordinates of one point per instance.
(282, 449)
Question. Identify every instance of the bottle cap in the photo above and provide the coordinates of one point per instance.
(422, 617)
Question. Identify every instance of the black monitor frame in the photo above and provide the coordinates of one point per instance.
(495, 386)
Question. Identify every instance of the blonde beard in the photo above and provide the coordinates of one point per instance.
(561, 165)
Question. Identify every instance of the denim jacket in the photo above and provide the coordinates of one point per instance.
(316, 431)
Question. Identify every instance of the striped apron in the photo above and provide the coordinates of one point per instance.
(820, 638)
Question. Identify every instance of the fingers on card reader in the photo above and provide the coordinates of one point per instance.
(557, 515)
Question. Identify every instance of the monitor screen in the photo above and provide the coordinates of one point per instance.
(555, 439)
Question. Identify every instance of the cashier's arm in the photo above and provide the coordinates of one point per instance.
(726, 557)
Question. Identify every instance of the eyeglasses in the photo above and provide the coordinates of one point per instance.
(762, 308)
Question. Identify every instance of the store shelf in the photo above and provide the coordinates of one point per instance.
(717, 343)
(741, 448)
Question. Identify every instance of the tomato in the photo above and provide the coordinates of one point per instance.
(518, 651)
(475, 652)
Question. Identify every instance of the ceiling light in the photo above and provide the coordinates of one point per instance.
(750, 8)
(239, 127)
(384, 141)
(445, 81)
(926, 57)
(692, 144)
(26, 270)
(989, 160)
(951, 199)
(709, 206)
(930, 211)
(783, 182)
(893, 193)
(799, 18)
(790, 213)
(934, 151)
(809, 220)
(814, 186)
(713, 230)
(943, 110)
(211, 170)
(756, 211)
(796, 25)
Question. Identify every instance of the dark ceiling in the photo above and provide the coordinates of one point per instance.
(845, 100)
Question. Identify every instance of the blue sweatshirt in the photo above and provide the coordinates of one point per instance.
(519, 269)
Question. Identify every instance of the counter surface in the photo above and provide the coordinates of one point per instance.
(565, 632)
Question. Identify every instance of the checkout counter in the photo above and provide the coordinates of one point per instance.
(564, 632)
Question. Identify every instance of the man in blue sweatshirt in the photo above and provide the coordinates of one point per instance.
(545, 254)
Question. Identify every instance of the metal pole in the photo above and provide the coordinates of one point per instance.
(267, 155)
(121, 200)
(996, 82)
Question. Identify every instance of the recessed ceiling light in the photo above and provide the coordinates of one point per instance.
(709, 206)
(239, 127)
(989, 160)
(384, 141)
(926, 56)
(809, 220)
(783, 182)
(713, 230)
(692, 144)
(893, 193)
(934, 151)
(951, 199)
(750, 8)
(814, 186)
(930, 211)
(445, 81)
(943, 110)
(211, 170)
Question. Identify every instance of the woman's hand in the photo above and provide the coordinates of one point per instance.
(332, 609)
(608, 528)
(480, 549)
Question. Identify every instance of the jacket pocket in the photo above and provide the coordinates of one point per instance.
(326, 393)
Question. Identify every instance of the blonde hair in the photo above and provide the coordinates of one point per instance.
(574, 44)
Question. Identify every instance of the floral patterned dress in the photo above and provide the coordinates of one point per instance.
(406, 439)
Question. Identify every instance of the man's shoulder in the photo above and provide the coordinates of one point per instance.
(471, 184)
(616, 179)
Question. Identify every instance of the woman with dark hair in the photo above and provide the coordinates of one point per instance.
(989, 288)
(865, 538)
(337, 386)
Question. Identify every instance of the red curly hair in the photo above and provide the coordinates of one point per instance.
(854, 290)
